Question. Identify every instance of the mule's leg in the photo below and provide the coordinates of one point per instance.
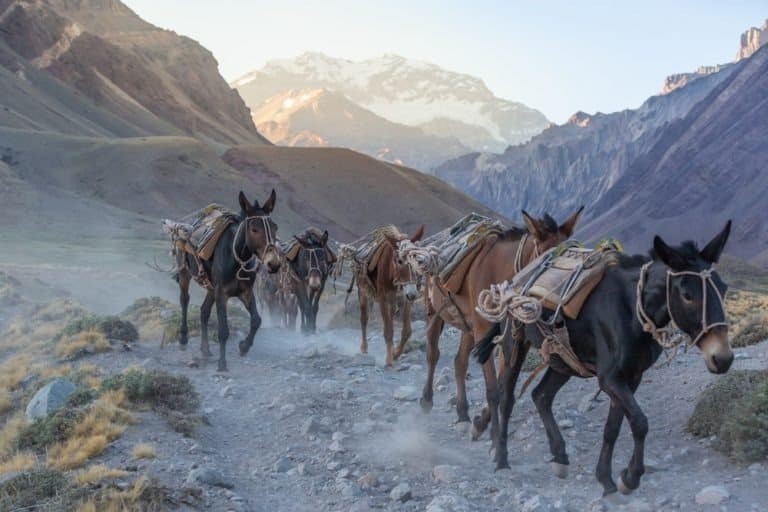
(315, 309)
(362, 299)
(460, 366)
(405, 334)
(434, 328)
(184, 278)
(543, 396)
(249, 302)
(480, 422)
(623, 392)
(205, 315)
(610, 434)
(221, 315)
(508, 380)
(386, 305)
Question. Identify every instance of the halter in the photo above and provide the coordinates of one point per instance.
(410, 260)
(251, 264)
(518, 265)
(424, 260)
(669, 336)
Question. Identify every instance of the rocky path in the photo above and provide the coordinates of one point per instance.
(307, 424)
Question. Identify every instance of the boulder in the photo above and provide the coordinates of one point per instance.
(49, 398)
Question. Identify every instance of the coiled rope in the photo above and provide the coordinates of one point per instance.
(501, 300)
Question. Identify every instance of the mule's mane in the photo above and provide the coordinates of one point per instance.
(549, 223)
(513, 233)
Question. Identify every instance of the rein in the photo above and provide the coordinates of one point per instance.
(251, 264)
(670, 336)
(518, 265)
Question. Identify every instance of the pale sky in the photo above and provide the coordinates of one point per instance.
(558, 56)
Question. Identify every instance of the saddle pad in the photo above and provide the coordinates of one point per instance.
(201, 229)
(459, 242)
(456, 277)
(585, 266)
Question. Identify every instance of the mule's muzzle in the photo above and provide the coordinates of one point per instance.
(271, 261)
(411, 292)
(314, 281)
(716, 349)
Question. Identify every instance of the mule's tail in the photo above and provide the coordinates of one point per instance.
(484, 348)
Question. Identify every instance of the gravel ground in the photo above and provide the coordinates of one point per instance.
(307, 424)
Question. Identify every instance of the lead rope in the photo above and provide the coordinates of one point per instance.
(671, 336)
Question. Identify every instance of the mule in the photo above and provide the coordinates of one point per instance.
(501, 258)
(308, 270)
(382, 284)
(616, 333)
(232, 272)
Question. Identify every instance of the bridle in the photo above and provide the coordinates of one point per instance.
(251, 264)
(409, 250)
(518, 264)
(669, 335)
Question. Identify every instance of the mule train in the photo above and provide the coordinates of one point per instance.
(589, 312)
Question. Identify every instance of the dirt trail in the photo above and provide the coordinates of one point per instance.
(308, 424)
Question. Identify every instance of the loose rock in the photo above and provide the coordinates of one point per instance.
(49, 399)
(401, 492)
(712, 495)
(209, 476)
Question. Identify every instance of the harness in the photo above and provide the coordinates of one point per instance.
(671, 336)
(251, 264)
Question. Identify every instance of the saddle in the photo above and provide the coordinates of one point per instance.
(459, 245)
(199, 232)
(565, 276)
(291, 248)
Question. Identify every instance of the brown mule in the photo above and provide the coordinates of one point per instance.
(500, 259)
(382, 283)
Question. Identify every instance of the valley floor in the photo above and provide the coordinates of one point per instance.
(307, 424)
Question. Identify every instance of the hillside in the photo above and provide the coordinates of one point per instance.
(108, 63)
(679, 165)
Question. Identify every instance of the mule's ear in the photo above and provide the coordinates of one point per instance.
(269, 204)
(714, 248)
(569, 226)
(418, 235)
(245, 205)
(667, 254)
(534, 226)
(324, 238)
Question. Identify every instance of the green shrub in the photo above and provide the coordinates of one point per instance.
(31, 489)
(44, 432)
(111, 327)
(171, 396)
(735, 409)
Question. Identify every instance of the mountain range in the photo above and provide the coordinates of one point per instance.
(108, 123)
(678, 166)
(403, 94)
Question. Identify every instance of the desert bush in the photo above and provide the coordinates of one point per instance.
(112, 327)
(19, 461)
(31, 489)
(735, 409)
(97, 473)
(6, 402)
(9, 295)
(744, 435)
(84, 342)
(750, 330)
(143, 496)
(54, 428)
(171, 396)
(150, 315)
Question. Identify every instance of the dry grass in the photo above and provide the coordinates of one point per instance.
(22, 461)
(104, 422)
(143, 451)
(14, 370)
(6, 402)
(42, 325)
(10, 433)
(97, 473)
(85, 341)
(142, 496)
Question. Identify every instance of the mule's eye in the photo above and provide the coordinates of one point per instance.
(687, 297)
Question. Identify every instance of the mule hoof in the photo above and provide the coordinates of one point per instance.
(222, 367)
(623, 488)
(426, 405)
(559, 470)
(475, 432)
(243, 348)
(463, 427)
(502, 465)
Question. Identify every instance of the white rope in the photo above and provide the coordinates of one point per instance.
(421, 260)
(501, 300)
(251, 264)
